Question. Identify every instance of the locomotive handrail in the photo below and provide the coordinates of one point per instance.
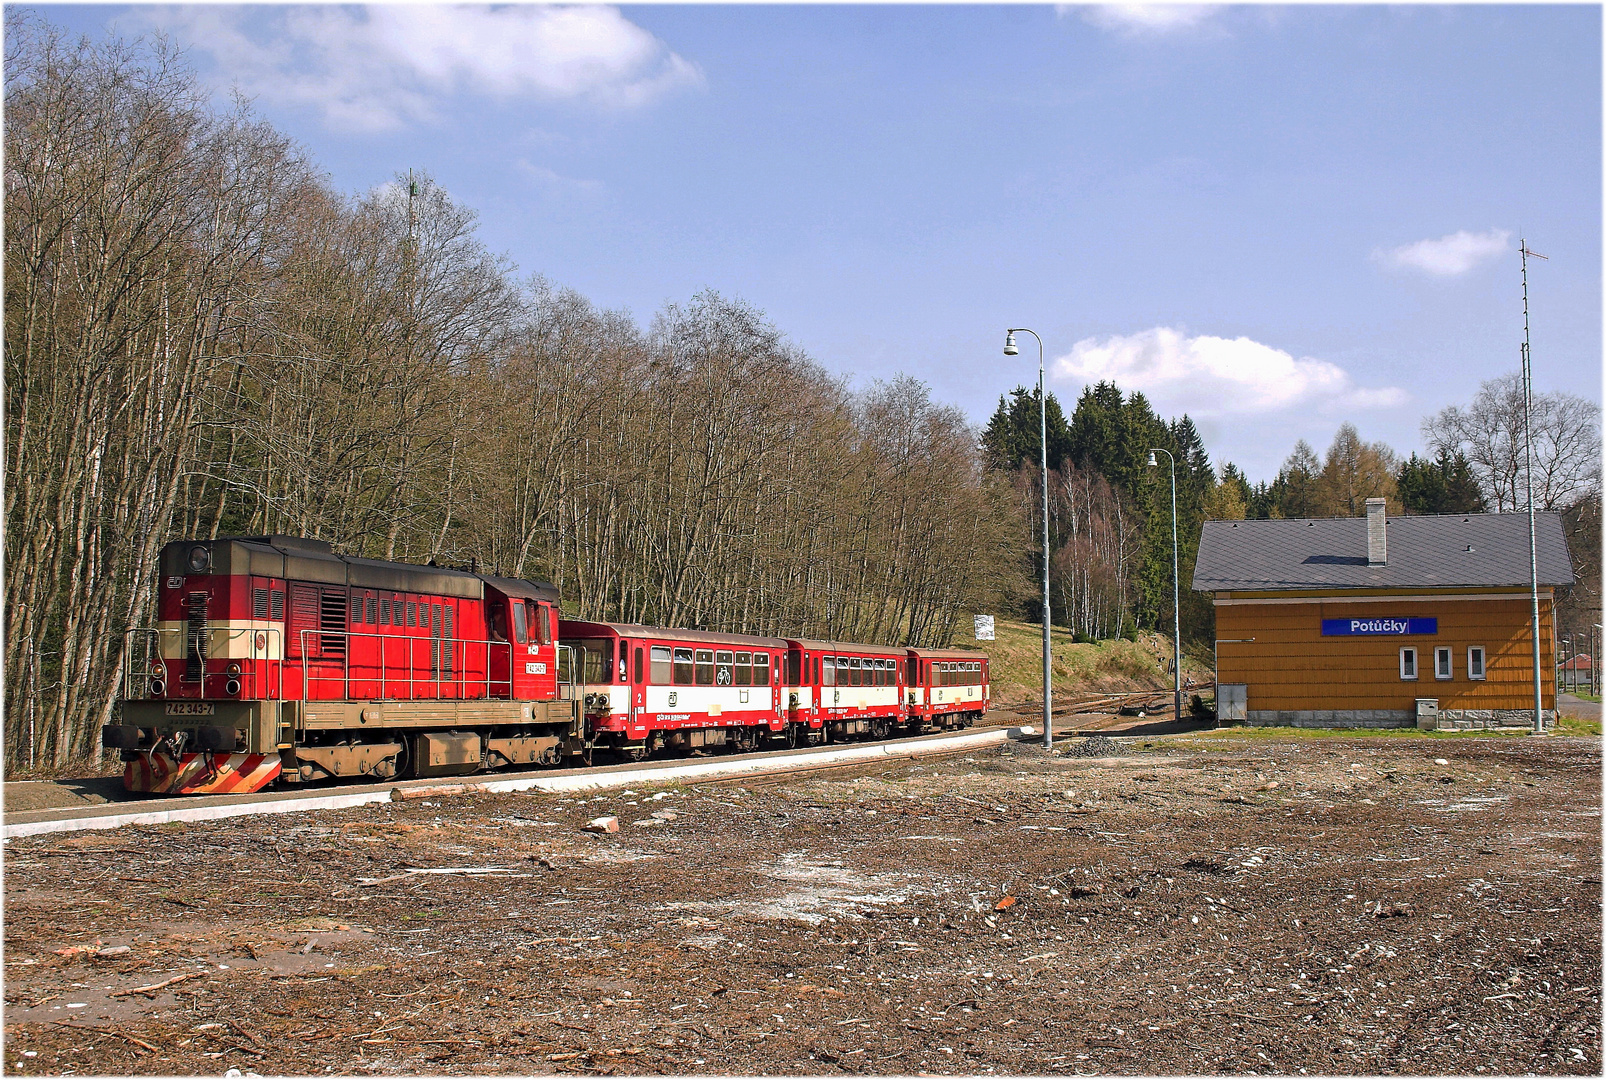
(456, 654)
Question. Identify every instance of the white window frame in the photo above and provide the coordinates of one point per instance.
(1409, 651)
(1447, 655)
(1478, 671)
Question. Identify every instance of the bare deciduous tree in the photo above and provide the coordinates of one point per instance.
(1489, 431)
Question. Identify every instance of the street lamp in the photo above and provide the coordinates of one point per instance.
(1042, 433)
(1176, 603)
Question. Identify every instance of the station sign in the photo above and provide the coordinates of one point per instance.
(1386, 626)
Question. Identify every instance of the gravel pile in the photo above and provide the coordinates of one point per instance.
(1091, 746)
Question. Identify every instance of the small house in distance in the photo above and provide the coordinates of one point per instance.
(1382, 622)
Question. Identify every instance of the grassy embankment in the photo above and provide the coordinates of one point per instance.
(1016, 663)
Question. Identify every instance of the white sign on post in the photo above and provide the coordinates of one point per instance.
(984, 628)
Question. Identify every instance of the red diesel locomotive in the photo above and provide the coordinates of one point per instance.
(275, 659)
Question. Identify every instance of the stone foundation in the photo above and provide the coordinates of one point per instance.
(1491, 719)
(1447, 719)
(1332, 718)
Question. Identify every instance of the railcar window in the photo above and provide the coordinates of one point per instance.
(705, 667)
(744, 669)
(881, 673)
(683, 667)
(521, 629)
(722, 669)
(661, 673)
(855, 671)
(761, 669)
(598, 661)
(640, 670)
(794, 667)
(827, 671)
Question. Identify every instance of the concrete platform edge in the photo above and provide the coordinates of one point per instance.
(545, 784)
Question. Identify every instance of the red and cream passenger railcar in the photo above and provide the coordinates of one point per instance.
(275, 658)
(648, 688)
(947, 687)
(844, 690)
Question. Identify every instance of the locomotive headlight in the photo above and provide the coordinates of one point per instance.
(158, 688)
(234, 668)
(200, 558)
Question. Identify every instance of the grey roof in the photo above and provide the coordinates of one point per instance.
(1444, 550)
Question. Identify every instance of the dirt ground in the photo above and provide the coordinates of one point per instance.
(1210, 903)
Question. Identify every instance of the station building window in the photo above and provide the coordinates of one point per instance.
(1443, 666)
(1475, 668)
(1408, 663)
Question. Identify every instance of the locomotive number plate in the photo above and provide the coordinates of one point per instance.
(190, 708)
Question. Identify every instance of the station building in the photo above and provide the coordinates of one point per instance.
(1382, 622)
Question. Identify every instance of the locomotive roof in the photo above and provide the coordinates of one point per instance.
(579, 628)
(846, 646)
(519, 587)
(297, 558)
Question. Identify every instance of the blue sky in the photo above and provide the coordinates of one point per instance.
(1275, 219)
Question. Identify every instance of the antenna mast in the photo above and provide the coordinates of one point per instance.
(1528, 450)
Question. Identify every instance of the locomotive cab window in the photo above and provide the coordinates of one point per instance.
(496, 624)
(543, 622)
(521, 631)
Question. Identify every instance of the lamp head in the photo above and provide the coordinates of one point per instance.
(1151, 458)
(1009, 345)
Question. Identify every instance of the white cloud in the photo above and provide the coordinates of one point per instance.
(387, 65)
(1214, 377)
(1448, 255)
(1144, 19)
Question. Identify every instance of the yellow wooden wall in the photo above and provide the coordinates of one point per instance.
(1290, 665)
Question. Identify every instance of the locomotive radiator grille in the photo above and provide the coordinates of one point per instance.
(194, 637)
(332, 620)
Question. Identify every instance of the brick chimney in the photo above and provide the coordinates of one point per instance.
(1377, 532)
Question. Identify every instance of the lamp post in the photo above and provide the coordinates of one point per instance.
(1176, 588)
(1042, 438)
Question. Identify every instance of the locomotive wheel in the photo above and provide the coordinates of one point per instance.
(791, 737)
